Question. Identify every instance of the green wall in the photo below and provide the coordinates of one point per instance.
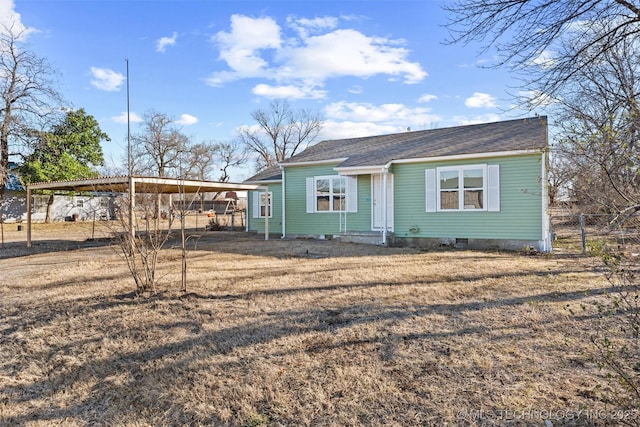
(275, 222)
(520, 216)
(298, 221)
(521, 203)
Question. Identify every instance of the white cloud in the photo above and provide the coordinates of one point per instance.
(105, 79)
(546, 59)
(353, 120)
(187, 120)
(427, 98)
(304, 26)
(332, 129)
(484, 118)
(480, 100)
(163, 42)
(288, 91)
(256, 48)
(348, 53)
(394, 116)
(535, 98)
(240, 48)
(10, 19)
(122, 118)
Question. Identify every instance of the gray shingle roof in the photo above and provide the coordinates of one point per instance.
(272, 173)
(509, 135)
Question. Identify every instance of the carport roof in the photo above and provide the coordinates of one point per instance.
(142, 184)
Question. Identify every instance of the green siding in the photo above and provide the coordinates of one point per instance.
(299, 222)
(520, 216)
(361, 221)
(521, 203)
(275, 222)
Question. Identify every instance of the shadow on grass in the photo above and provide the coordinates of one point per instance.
(20, 249)
(145, 389)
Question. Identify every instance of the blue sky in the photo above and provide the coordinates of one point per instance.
(370, 67)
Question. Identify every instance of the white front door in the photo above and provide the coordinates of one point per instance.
(378, 202)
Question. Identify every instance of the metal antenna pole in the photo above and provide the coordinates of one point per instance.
(129, 165)
(132, 190)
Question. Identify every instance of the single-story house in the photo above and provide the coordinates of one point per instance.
(476, 186)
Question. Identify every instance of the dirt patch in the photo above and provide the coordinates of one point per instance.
(296, 332)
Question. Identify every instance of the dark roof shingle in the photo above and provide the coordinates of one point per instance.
(272, 173)
(510, 135)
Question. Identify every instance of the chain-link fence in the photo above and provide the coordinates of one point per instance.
(578, 232)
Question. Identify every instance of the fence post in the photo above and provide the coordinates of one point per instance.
(583, 235)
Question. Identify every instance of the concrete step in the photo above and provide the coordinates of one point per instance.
(366, 237)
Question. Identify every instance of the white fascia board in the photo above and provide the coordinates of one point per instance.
(466, 156)
(361, 170)
(194, 183)
(314, 162)
(264, 181)
(373, 169)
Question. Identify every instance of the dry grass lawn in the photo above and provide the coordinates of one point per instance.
(296, 333)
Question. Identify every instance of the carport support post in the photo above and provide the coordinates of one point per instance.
(28, 217)
(267, 206)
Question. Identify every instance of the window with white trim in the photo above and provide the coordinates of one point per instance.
(463, 188)
(262, 204)
(332, 193)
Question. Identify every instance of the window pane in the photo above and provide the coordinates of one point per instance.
(473, 199)
(322, 186)
(265, 202)
(448, 180)
(449, 200)
(472, 178)
(338, 194)
(322, 195)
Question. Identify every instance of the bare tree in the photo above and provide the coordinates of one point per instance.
(199, 160)
(599, 122)
(159, 148)
(228, 155)
(548, 42)
(281, 131)
(559, 177)
(142, 241)
(27, 95)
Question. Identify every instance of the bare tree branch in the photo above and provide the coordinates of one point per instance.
(281, 132)
(27, 94)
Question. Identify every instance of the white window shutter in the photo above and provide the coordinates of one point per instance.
(493, 188)
(430, 181)
(311, 195)
(256, 204)
(351, 193)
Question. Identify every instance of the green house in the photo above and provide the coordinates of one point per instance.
(476, 186)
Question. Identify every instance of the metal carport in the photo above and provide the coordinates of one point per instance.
(133, 185)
